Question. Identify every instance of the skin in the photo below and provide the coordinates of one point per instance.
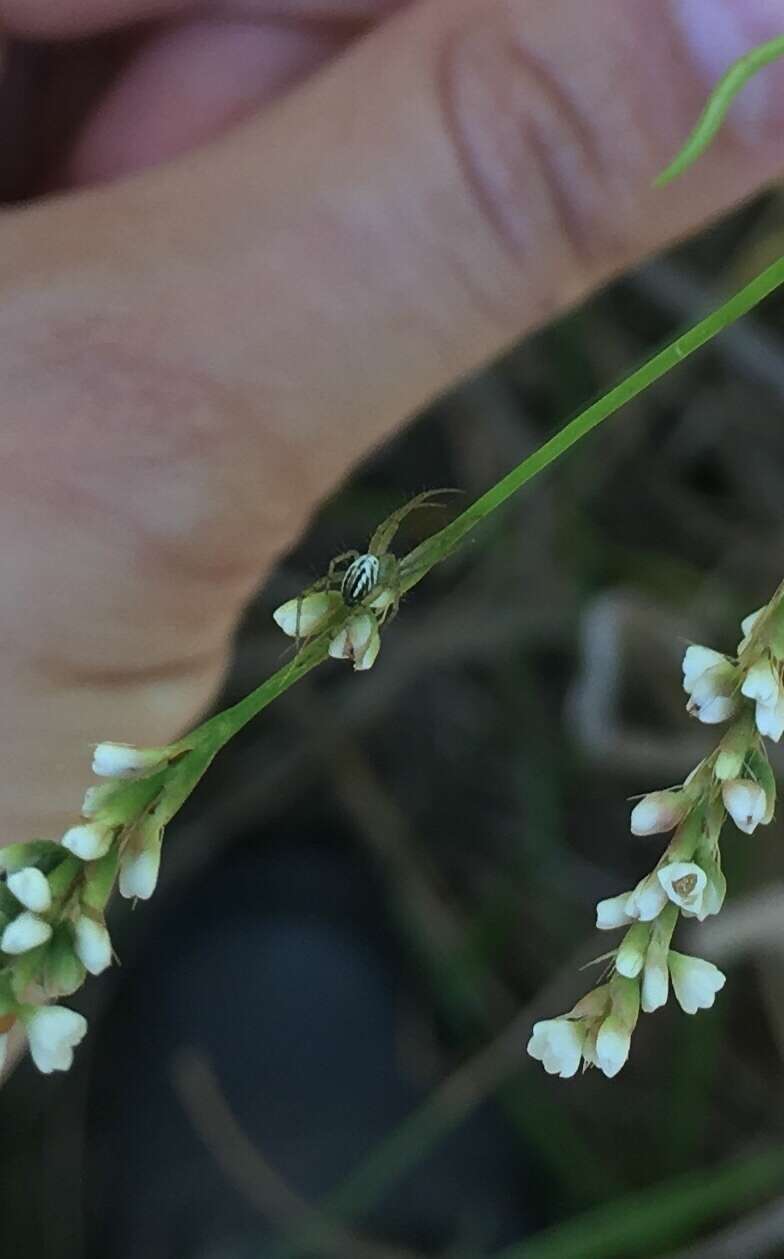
(259, 235)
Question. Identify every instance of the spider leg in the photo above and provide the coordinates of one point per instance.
(339, 559)
(382, 538)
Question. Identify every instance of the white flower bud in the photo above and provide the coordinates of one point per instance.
(647, 900)
(762, 683)
(747, 625)
(695, 981)
(697, 661)
(658, 811)
(53, 1032)
(358, 640)
(31, 889)
(712, 699)
(92, 944)
(684, 883)
(770, 719)
(121, 760)
(24, 933)
(746, 803)
(139, 873)
(301, 617)
(89, 841)
(612, 1045)
(631, 952)
(611, 913)
(655, 985)
(558, 1045)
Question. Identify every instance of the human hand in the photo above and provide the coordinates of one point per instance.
(330, 221)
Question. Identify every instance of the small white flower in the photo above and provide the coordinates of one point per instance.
(762, 683)
(631, 953)
(684, 883)
(658, 811)
(611, 913)
(712, 699)
(558, 1045)
(769, 719)
(358, 640)
(24, 933)
(697, 661)
(647, 900)
(139, 873)
(695, 981)
(121, 760)
(746, 803)
(655, 985)
(92, 945)
(304, 616)
(612, 1045)
(31, 889)
(89, 841)
(53, 1032)
(747, 625)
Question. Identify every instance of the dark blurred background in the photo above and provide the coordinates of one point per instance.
(315, 1044)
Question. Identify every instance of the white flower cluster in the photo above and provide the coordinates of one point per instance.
(735, 780)
(358, 640)
(52, 901)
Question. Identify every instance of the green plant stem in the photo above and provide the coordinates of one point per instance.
(437, 547)
(218, 730)
(715, 111)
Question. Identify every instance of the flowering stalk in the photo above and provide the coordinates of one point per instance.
(735, 781)
(53, 894)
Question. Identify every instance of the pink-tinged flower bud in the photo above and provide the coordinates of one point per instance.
(658, 811)
(746, 803)
(695, 981)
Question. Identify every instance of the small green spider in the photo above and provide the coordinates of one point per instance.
(372, 577)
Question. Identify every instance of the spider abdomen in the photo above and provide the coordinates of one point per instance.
(361, 577)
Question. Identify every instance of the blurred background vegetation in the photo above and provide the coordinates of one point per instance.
(450, 820)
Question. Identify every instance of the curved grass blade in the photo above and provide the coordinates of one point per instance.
(719, 102)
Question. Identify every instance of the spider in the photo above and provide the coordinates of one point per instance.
(375, 572)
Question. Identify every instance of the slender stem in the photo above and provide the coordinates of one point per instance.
(721, 98)
(220, 729)
(441, 544)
